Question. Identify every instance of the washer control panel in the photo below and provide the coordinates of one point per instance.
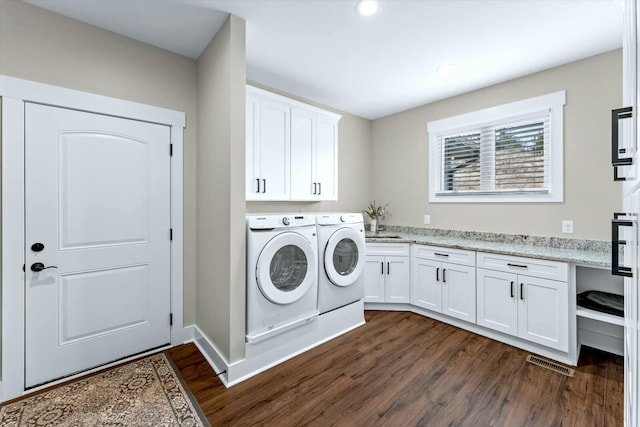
(273, 221)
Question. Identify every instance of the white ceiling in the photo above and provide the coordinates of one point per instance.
(376, 66)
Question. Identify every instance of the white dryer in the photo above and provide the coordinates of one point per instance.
(282, 274)
(341, 249)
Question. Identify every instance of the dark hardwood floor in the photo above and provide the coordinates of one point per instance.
(402, 369)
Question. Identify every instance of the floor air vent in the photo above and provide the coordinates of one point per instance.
(550, 365)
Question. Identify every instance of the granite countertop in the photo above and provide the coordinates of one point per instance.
(584, 252)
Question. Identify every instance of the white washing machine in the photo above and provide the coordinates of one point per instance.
(282, 274)
(341, 250)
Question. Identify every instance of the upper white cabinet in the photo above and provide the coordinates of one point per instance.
(268, 149)
(292, 149)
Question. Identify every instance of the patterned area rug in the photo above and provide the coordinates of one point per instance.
(145, 392)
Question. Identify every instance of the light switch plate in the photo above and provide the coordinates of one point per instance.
(567, 226)
(427, 219)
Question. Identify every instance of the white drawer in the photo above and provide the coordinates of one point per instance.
(388, 249)
(455, 256)
(528, 266)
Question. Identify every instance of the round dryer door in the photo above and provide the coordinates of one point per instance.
(344, 256)
(287, 268)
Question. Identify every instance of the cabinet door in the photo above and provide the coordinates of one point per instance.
(497, 297)
(252, 165)
(543, 312)
(426, 291)
(373, 278)
(274, 150)
(396, 276)
(326, 164)
(459, 291)
(303, 136)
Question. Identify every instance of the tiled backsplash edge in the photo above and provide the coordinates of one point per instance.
(518, 239)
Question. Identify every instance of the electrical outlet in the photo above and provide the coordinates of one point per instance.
(567, 226)
(427, 219)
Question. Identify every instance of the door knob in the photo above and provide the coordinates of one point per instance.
(38, 266)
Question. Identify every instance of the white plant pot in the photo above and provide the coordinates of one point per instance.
(373, 226)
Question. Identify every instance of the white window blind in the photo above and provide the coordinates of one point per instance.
(510, 156)
(512, 152)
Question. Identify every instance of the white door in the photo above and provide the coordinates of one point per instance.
(543, 312)
(497, 306)
(325, 158)
(630, 254)
(275, 134)
(459, 291)
(426, 290)
(303, 129)
(373, 277)
(98, 204)
(397, 285)
(252, 154)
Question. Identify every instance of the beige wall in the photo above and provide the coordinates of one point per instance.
(593, 87)
(220, 302)
(354, 166)
(39, 45)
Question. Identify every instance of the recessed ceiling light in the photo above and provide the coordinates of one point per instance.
(447, 69)
(367, 7)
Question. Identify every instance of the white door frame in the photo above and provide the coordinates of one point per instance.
(15, 92)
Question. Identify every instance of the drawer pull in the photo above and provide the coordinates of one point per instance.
(517, 265)
(439, 254)
(438, 274)
(511, 289)
(382, 268)
(521, 291)
(444, 278)
(388, 269)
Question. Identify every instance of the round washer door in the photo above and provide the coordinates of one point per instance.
(344, 256)
(287, 268)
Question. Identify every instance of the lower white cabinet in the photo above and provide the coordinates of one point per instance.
(531, 308)
(386, 273)
(497, 301)
(441, 286)
(522, 297)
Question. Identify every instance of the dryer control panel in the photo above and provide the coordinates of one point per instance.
(339, 218)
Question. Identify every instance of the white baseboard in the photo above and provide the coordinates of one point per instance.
(550, 353)
(188, 334)
(266, 354)
(263, 355)
(212, 355)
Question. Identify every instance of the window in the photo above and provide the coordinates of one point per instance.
(509, 153)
